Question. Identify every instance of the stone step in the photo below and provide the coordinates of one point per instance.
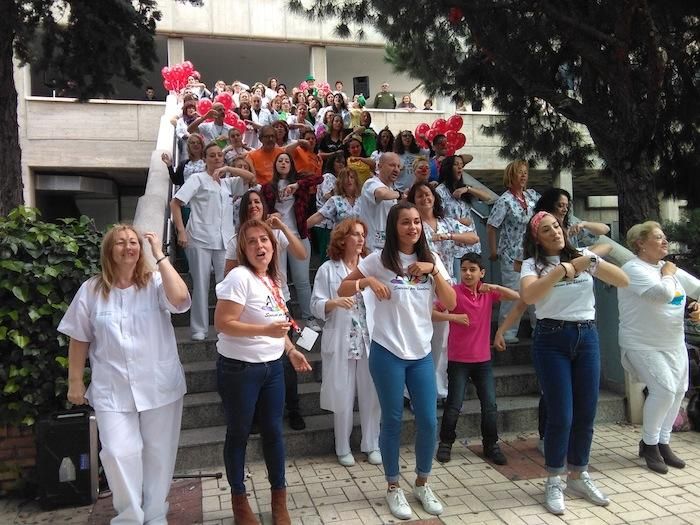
(203, 407)
(203, 447)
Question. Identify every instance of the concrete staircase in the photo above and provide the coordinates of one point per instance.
(203, 425)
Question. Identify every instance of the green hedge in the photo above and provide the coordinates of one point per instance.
(686, 233)
(42, 265)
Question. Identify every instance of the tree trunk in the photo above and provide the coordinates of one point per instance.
(638, 200)
(10, 154)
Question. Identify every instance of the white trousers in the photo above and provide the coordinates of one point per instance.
(201, 260)
(138, 455)
(359, 380)
(438, 347)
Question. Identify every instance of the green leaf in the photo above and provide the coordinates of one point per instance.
(51, 271)
(10, 388)
(3, 333)
(21, 293)
(13, 266)
(44, 289)
(19, 339)
(34, 314)
(63, 361)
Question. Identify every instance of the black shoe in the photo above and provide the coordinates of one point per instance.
(444, 452)
(652, 456)
(495, 454)
(296, 421)
(669, 457)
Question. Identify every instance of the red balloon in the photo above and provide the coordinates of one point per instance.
(431, 134)
(195, 74)
(455, 15)
(440, 125)
(421, 129)
(450, 152)
(451, 135)
(461, 140)
(455, 123)
(226, 99)
(240, 126)
(165, 72)
(167, 85)
(203, 106)
(423, 144)
(231, 118)
(187, 65)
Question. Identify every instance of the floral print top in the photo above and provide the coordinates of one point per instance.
(338, 208)
(582, 239)
(457, 209)
(358, 337)
(511, 219)
(327, 186)
(447, 249)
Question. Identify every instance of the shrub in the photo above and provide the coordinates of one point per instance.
(42, 265)
(686, 233)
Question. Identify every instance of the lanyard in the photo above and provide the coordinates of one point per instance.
(274, 290)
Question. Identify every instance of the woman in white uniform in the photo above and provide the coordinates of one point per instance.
(345, 345)
(652, 338)
(210, 195)
(120, 319)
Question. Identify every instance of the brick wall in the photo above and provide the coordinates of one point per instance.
(17, 454)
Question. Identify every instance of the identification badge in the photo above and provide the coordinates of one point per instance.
(307, 339)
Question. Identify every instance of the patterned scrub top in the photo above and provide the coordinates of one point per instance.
(457, 209)
(511, 219)
(447, 249)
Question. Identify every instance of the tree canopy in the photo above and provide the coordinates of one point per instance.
(87, 42)
(627, 70)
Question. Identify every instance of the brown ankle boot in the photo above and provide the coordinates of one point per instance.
(242, 513)
(669, 457)
(280, 516)
(651, 455)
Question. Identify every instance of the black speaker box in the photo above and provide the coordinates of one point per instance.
(67, 458)
(360, 85)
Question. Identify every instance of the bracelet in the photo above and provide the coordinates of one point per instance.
(357, 285)
(451, 236)
(161, 259)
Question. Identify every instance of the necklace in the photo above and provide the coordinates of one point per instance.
(520, 199)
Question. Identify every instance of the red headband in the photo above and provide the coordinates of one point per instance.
(535, 222)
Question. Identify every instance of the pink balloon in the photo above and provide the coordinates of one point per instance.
(231, 118)
(165, 72)
(203, 106)
(167, 85)
(455, 122)
(226, 99)
(421, 129)
(240, 126)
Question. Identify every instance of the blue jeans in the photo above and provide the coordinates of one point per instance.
(566, 356)
(242, 386)
(481, 375)
(390, 373)
(299, 269)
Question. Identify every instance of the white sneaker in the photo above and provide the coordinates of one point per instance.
(374, 457)
(199, 336)
(585, 488)
(347, 460)
(554, 495)
(427, 497)
(398, 505)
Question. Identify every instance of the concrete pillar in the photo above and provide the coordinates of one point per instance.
(176, 50)
(564, 180)
(23, 85)
(317, 64)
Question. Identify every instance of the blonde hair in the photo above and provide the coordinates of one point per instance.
(511, 172)
(639, 233)
(418, 159)
(104, 281)
(343, 175)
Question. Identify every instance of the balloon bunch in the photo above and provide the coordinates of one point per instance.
(230, 117)
(450, 128)
(175, 77)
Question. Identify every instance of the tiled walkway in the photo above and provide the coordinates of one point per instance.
(473, 491)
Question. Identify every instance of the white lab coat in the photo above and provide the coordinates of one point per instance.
(334, 349)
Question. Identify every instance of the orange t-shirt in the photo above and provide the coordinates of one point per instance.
(263, 162)
(307, 161)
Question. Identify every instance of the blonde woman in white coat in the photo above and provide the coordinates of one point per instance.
(345, 345)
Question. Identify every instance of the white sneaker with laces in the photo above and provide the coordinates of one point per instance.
(585, 488)
(347, 460)
(554, 495)
(398, 505)
(374, 457)
(199, 336)
(427, 497)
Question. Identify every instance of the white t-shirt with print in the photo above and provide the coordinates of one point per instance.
(282, 243)
(402, 323)
(243, 287)
(567, 300)
(374, 212)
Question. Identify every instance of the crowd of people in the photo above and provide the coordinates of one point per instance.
(400, 299)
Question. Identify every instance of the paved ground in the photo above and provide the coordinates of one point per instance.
(474, 491)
